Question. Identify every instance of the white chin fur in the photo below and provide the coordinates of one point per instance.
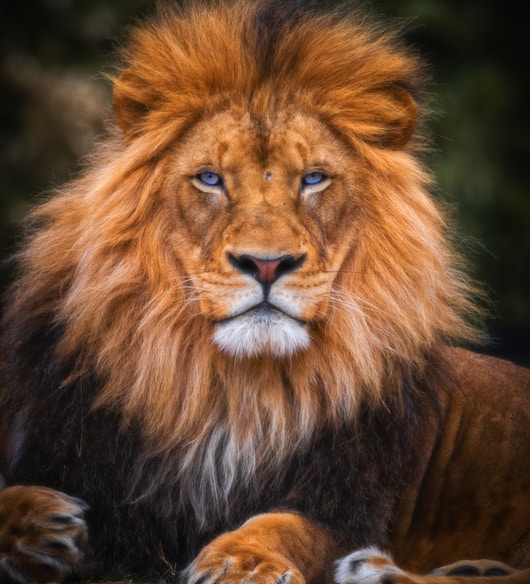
(258, 333)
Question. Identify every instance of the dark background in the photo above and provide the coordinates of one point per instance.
(54, 98)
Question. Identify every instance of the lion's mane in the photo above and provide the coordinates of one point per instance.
(98, 275)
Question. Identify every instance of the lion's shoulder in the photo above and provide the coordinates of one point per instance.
(485, 375)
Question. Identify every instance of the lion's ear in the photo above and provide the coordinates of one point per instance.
(399, 117)
(130, 103)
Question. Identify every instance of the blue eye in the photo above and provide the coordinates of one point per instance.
(212, 179)
(313, 178)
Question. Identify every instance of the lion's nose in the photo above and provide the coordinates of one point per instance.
(265, 270)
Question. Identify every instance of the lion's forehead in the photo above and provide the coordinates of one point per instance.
(264, 146)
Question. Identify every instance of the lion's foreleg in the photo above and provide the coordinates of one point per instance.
(268, 549)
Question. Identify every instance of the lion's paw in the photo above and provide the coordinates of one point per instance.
(42, 534)
(368, 565)
(228, 560)
(474, 568)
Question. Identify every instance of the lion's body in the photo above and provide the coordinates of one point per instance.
(468, 502)
(244, 307)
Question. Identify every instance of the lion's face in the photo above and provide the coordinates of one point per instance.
(265, 214)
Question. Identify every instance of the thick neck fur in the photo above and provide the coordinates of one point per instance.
(221, 423)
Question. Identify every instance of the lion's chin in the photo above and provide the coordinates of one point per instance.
(257, 332)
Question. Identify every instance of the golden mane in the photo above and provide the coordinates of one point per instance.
(98, 265)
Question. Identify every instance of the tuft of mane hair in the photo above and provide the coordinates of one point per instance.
(100, 273)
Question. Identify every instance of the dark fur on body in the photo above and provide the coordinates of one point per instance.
(142, 524)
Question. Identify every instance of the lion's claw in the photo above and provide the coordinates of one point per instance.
(42, 534)
(242, 569)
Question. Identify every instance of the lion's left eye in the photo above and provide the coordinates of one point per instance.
(314, 182)
(313, 178)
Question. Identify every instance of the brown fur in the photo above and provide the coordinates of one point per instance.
(131, 263)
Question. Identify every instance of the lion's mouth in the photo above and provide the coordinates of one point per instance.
(264, 313)
(260, 330)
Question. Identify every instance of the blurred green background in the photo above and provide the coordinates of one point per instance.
(54, 99)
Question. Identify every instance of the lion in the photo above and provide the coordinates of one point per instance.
(235, 347)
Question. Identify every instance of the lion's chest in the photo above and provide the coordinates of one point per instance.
(349, 479)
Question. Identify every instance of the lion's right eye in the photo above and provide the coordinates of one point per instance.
(209, 178)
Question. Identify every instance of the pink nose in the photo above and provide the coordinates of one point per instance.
(265, 270)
